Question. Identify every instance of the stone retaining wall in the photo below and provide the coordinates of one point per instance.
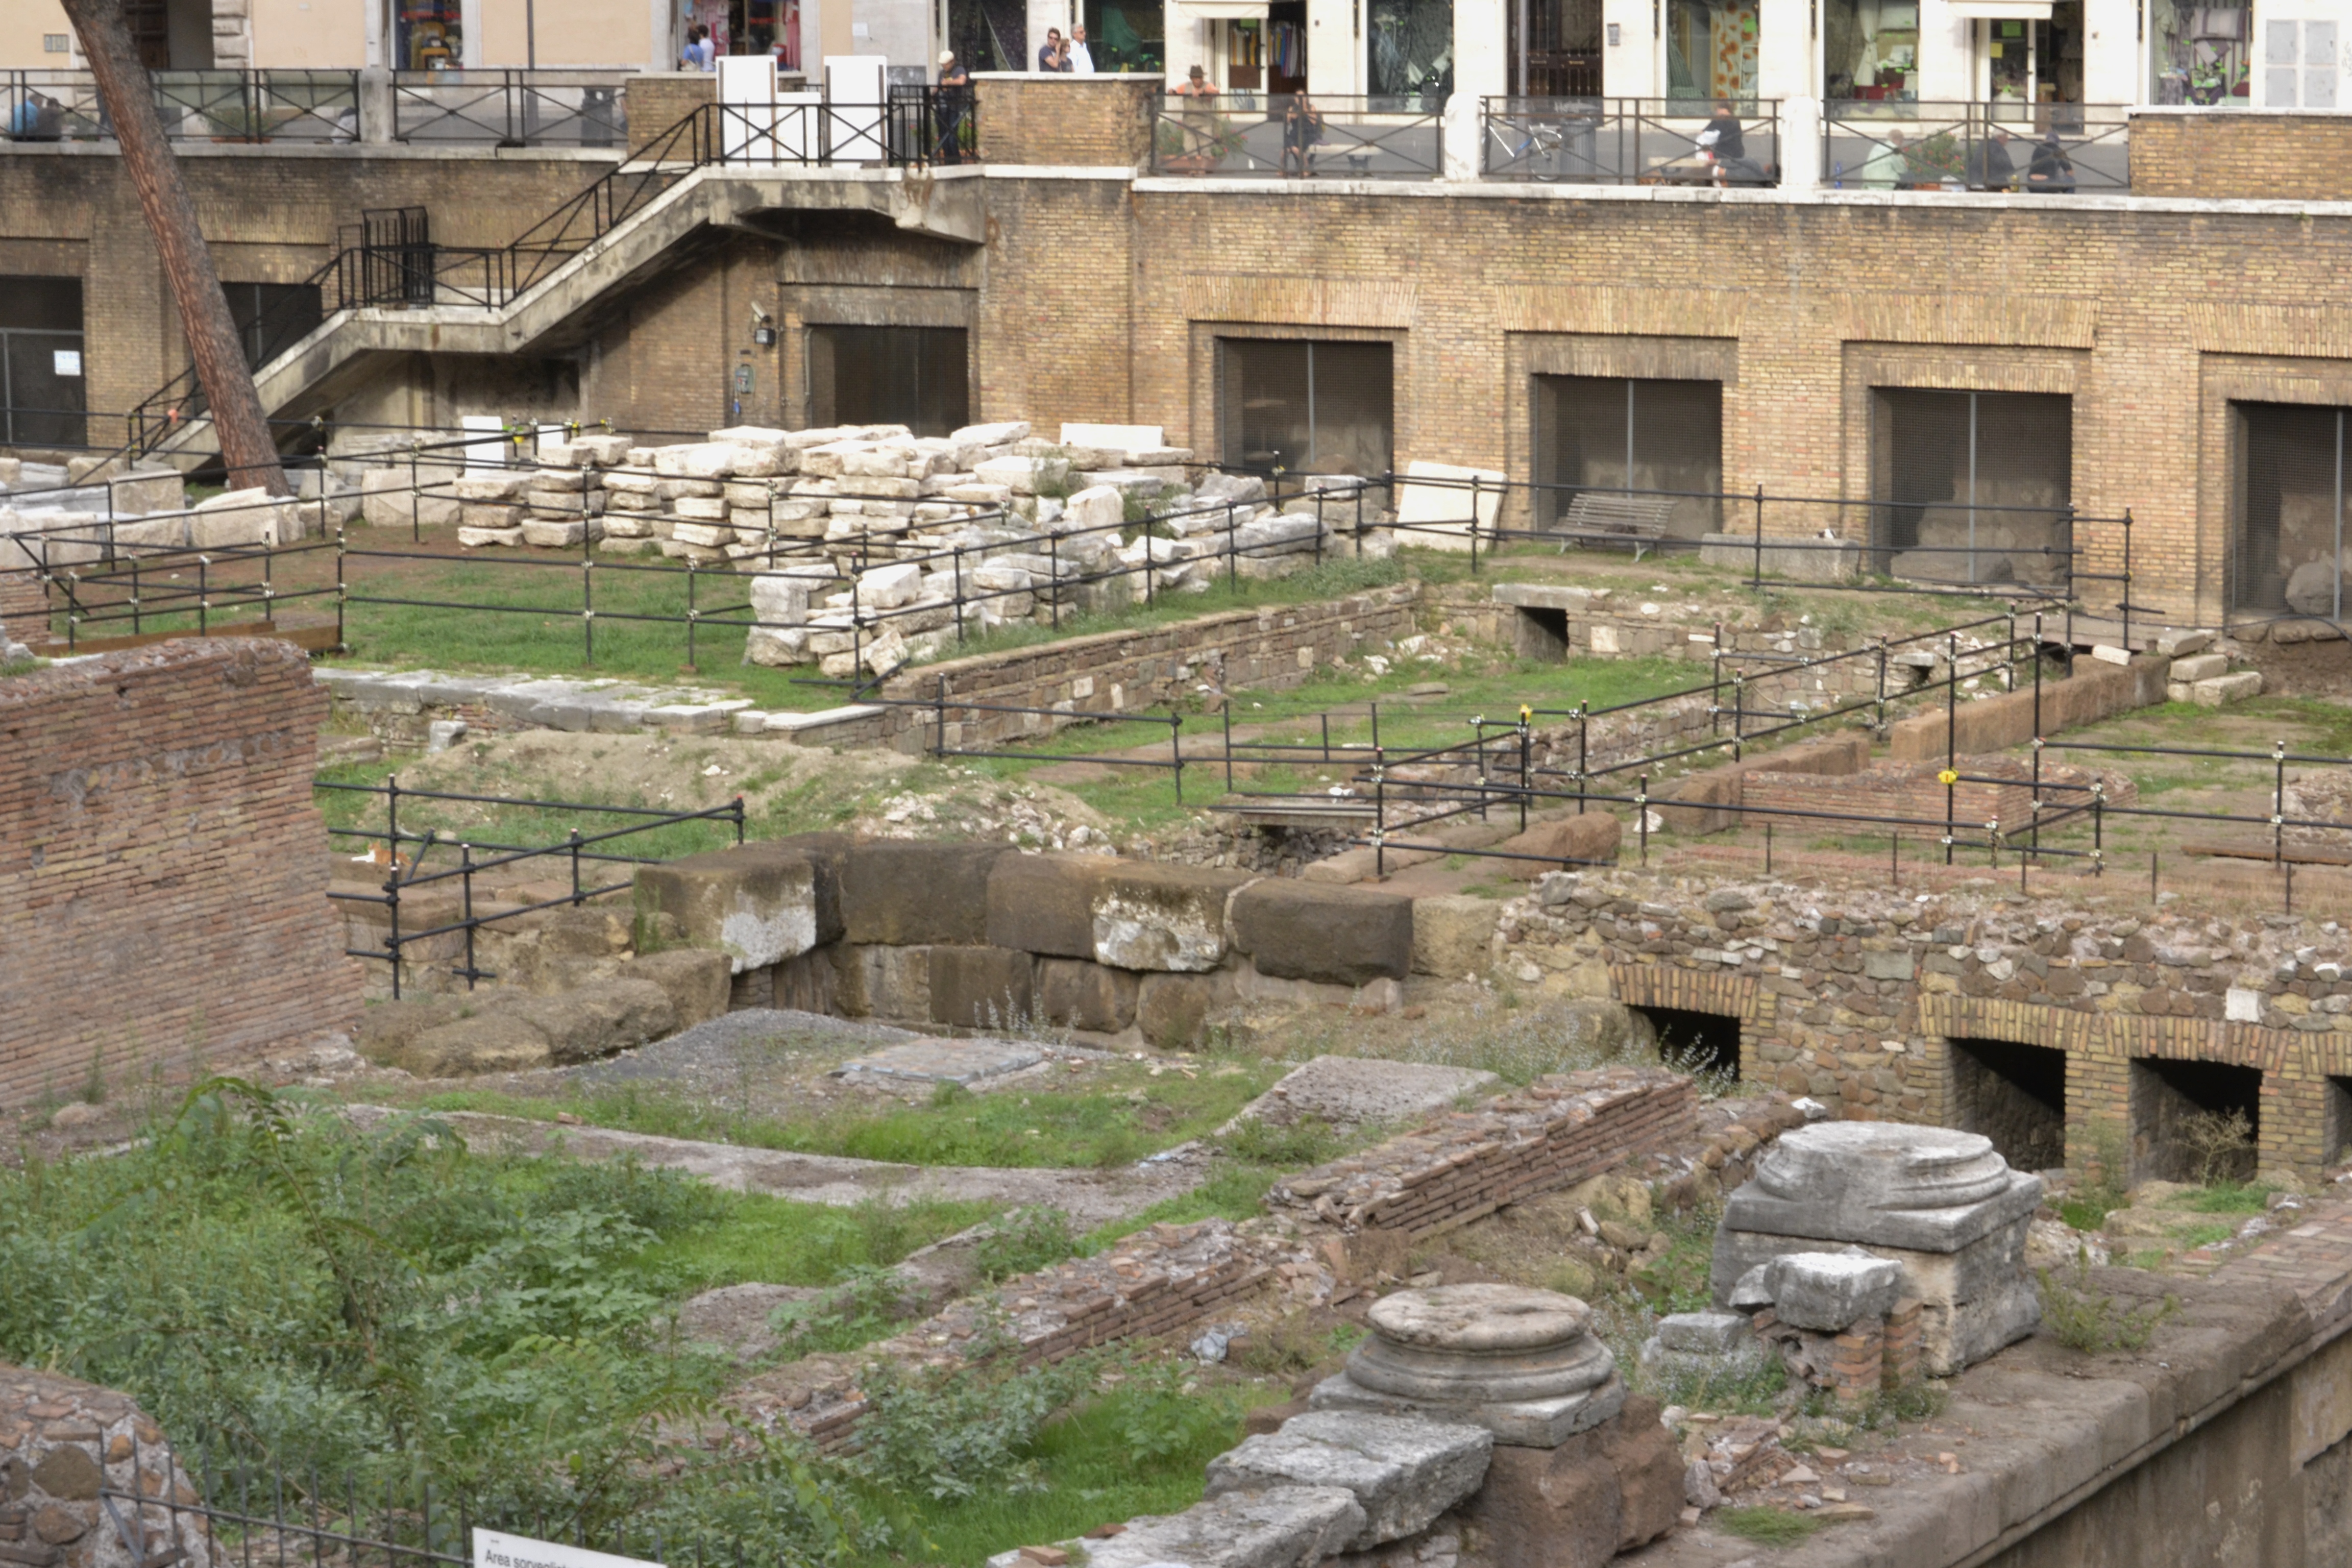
(61, 1443)
(1855, 996)
(162, 867)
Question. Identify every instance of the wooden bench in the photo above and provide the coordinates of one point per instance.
(1612, 515)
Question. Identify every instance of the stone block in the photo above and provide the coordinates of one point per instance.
(1828, 1291)
(487, 538)
(1096, 507)
(1453, 935)
(1350, 1091)
(1160, 917)
(1704, 1334)
(1521, 1363)
(1578, 1504)
(1311, 930)
(1045, 903)
(902, 892)
(1883, 1184)
(1073, 993)
(462, 1047)
(591, 1021)
(1173, 1011)
(2181, 644)
(2221, 688)
(1403, 1473)
(1893, 963)
(385, 1031)
(1804, 560)
(757, 903)
(982, 988)
(1972, 1300)
(2197, 667)
(1589, 839)
(884, 981)
(694, 979)
(566, 535)
(1280, 1527)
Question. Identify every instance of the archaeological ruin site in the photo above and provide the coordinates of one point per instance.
(892, 792)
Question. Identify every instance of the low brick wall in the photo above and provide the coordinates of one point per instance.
(1113, 672)
(659, 100)
(2243, 154)
(2096, 690)
(24, 606)
(1554, 1133)
(1070, 121)
(162, 869)
(1909, 791)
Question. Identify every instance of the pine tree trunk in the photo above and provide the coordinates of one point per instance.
(245, 448)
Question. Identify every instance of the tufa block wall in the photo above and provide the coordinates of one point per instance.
(162, 867)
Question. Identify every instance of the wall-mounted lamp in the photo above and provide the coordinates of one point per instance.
(765, 336)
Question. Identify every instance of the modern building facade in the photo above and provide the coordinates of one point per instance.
(1874, 312)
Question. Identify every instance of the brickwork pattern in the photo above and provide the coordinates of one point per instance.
(1457, 1167)
(162, 867)
(1071, 122)
(1855, 1002)
(2280, 157)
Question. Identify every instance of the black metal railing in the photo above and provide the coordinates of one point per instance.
(511, 107)
(313, 106)
(2004, 145)
(403, 852)
(1271, 135)
(1631, 140)
(918, 127)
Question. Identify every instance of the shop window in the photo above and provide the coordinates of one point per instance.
(2032, 60)
(1409, 48)
(1304, 407)
(428, 35)
(2199, 53)
(771, 27)
(915, 376)
(2184, 1114)
(2298, 64)
(2014, 1095)
(1971, 487)
(2288, 555)
(1608, 433)
(987, 35)
(1561, 55)
(1711, 49)
(1870, 49)
(271, 317)
(41, 399)
(1127, 36)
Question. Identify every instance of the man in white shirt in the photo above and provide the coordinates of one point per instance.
(1082, 59)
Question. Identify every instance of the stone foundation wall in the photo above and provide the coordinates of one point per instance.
(162, 865)
(1853, 996)
(62, 1442)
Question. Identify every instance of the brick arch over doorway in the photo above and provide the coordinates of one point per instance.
(1688, 991)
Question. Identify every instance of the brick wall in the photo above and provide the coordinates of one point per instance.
(163, 869)
(1114, 671)
(659, 100)
(2287, 157)
(1074, 121)
(1908, 791)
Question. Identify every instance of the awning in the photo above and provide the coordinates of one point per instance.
(1999, 10)
(1236, 10)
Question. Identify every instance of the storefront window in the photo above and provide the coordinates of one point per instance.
(430, 35)
(1411, 47)
(1870, 49)
(771, 27)
(1711, 49)
(1126, 35)
(2198, 54)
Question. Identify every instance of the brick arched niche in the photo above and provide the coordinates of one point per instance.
(1716, 1016)
(84, 1476)
(2128, 1079)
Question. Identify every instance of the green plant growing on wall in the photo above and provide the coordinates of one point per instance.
(2221, 1144)
(2087, 1319)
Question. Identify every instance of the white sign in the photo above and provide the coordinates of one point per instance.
(495, 1549)
(68, 361)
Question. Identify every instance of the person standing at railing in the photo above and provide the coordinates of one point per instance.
(699, 53)
(1723, 137)
(1888, 165)
(40, 118)
(1053, 55)
(1082, 58)
(1302, 128)
(1198, 113)
(955, 106)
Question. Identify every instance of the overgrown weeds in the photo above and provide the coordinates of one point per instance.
(2221, 1143)
(2089, 1320)
(1764, 1525)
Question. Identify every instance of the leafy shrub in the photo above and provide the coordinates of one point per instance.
(1309, 1141)
(952, 1434)
(867, 1303)
(1025, 1241)
(2086, 1321)
(2221, 1143)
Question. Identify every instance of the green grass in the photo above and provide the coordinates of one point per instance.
(1124, 1115)
(778, 1241)
(2225, 1197)
(1088, 1472)
(1765, 1526)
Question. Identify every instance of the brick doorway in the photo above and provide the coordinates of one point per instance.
(2015, 1095)
(1693, 1041)
(2171, 1101)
